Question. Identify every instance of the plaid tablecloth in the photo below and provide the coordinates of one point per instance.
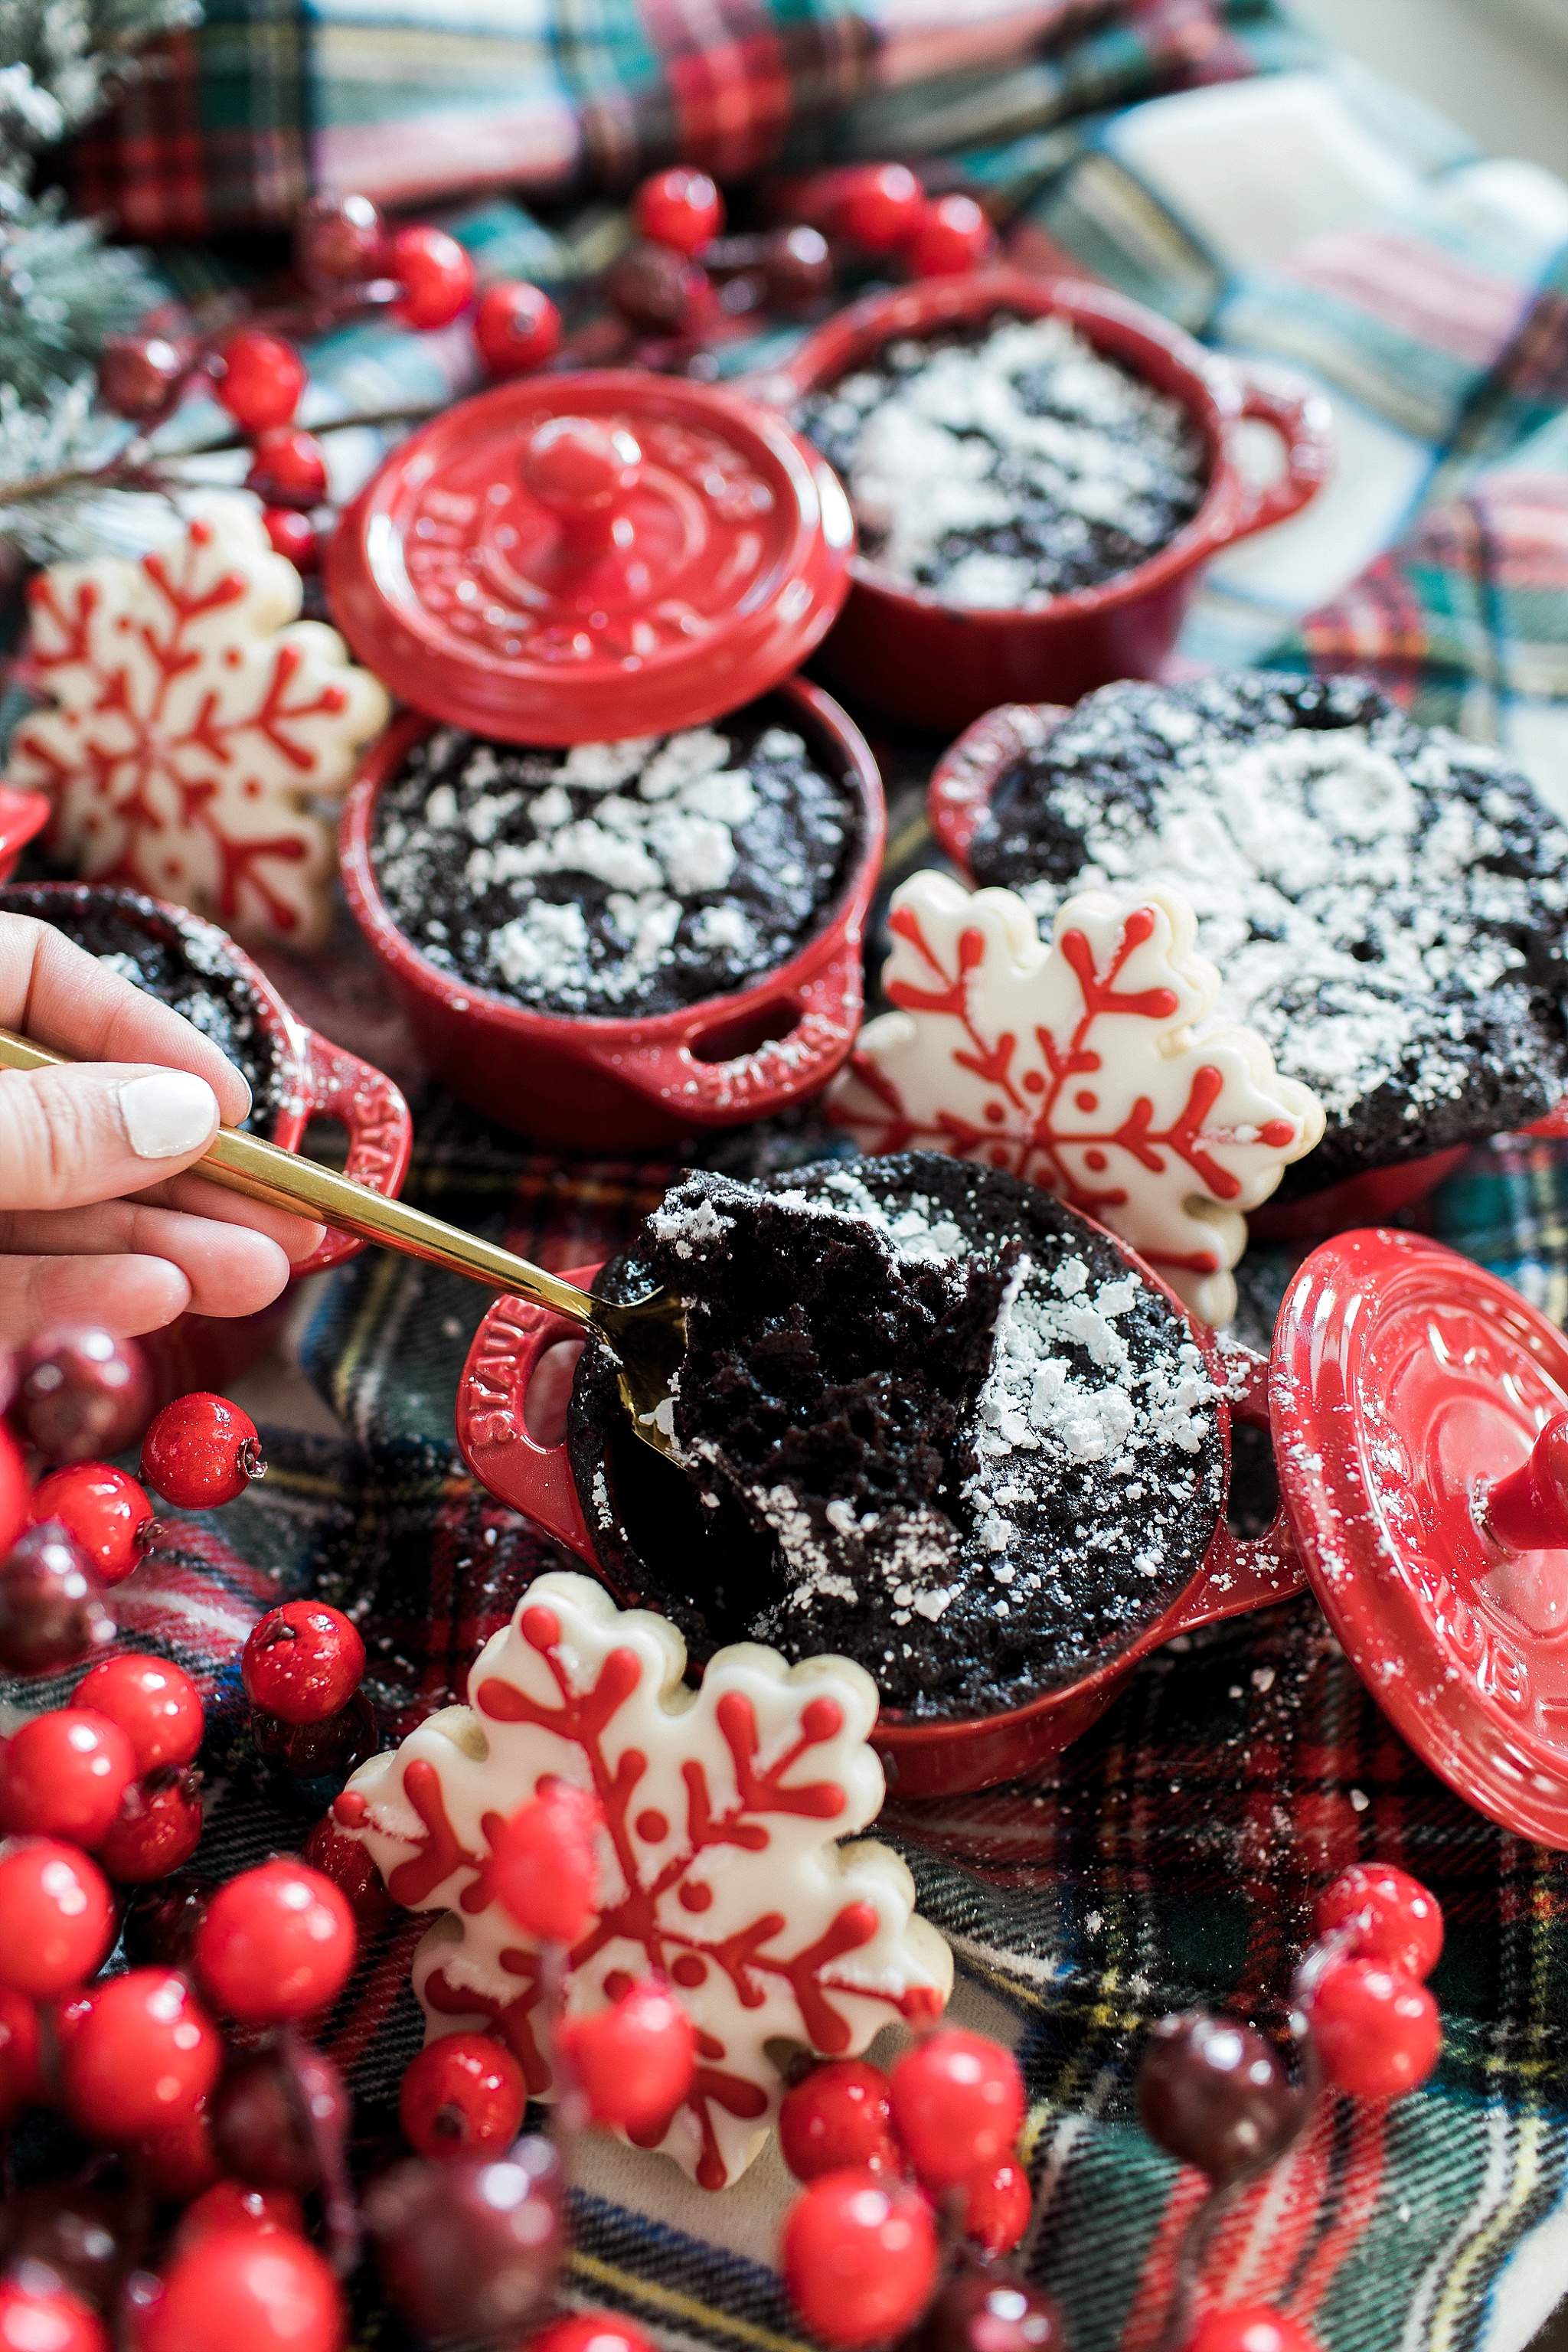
(1313, 221)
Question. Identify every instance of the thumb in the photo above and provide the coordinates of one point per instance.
(94, 1130)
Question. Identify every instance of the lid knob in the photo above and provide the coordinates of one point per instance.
(583, 472)
(1527, 1510)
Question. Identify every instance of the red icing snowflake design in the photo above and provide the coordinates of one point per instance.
(1077, 1065)
(194, 718)
(721, 1868)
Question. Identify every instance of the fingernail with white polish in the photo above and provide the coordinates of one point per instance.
(166, 1113)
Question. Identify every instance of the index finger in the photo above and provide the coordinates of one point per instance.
(60, 996)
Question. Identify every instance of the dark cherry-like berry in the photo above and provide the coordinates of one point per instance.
(634, 2059)
(272, 2113)
(1249, 2327)
(436, 273)
(157, 1828)
(106, 1514)
(80, 2233)
(240, 2290)
(144, 2052)
(837, 2115)
(996, 2208)
(277, 1942)
(159, 1922)
(288, 468)
(302, 1661)
(37, 2315)
(461, 2094)
(51, 1604)
(858, 2252)
(231, 2205)
(63, 1775)
(261, 380)
(21, 2072)
(544, 1865)
(315, 1751)
(180, 2157)
(877, 206)
(656, 290)
(139, 377)
(469, 2248)
(292, 535)
(988, 2311)
(82, 1392)
(339, 241)
(797, 267)
(679, 207)
(347, 1862)
(154, 1702)
(1390, 1915)
(202, 1451)
(1214, 2093)
(57, 1917)
(957, 2101)
(1376, 2028)
(951, 235)
(517, 328)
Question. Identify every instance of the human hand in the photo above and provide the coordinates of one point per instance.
(97, 1223)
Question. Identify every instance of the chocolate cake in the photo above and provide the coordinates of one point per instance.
(1006, 463)
(614, 879)
(180, 959)
(1386, 902)
(928, 1418)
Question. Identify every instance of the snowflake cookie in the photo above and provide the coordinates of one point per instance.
(720, 1869)
(194, 718)
(1078, 1067)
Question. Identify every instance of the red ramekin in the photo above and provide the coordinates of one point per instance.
(940, 666)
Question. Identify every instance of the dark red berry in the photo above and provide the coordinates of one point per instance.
(154, 1702)
(157, 1828)
(159, 1921)
(463, 2093)
(63, 1775)
(21, 2078)
(1392, 1915)
(289, 469)
(516, 328)
(277, 1942)
(1214, 2094)
(951, 235)
(1377, 2029)
(990, 2311)
(634, 2059)
(139, 377)
(57, 1917)
(1249, 2327)
(836, 2115)
(545, 1865)
(144, 2052)
(260, 383)
(877, 206)
(435, 274)
(859, 2256)
(51, 1604)
(302, 1661)
(202, 1451)
(106, 1514)
(590, 2331)
(469, 2248)
(957, 2103)
(80, 2233)
(271, 2114)
(230, 2205)
(242, 2290)
(293, 535)
(995, 2210)
(656, 290)
(38, 2315)
(797, 267)
(679, 207)
(314, 1751)
(179, 2156)
(80, 1393)
(339, 241)
(348, 1863)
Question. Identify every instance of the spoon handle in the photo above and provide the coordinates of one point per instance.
(244, 1163)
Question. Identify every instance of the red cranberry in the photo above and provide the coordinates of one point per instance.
(302, 1661)
(139, 377)
(1249, 2327)
(57, 1917)
(159, 1922)
(545, 1870)
(339, 241)
(1214, 2094)
(106, 1514)
(837, 2115)
(1392, 1915)
(877, 206)
(292, 535)
(958, 2103)
(1377, 2030)
(348, 1863)
(21, 2082)
(63, 1775)
(590, 2331)
(36, 2314)
(15, 1498)
(51, 1604)
(180, 2157)
(655, 291)
(230, 2205)
(143, 2054)
(990, 2311)
(83, 1392)
(951, 235)
(634, 2059)
(154, 1702)
(679, 208)
(859, 2256)
(463, 2093)
(289, 469)
(272, 2113)
(157, 1829)
(469, 2248)
(997, 2205)
(80, 2233)
(517, 328)
(202, 1451)
(277, 1942)
(241, 2290)
(260, 386)
(435, 274)
(313, 1751)
(797, 267)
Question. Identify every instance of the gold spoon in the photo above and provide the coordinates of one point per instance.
(646, 1338)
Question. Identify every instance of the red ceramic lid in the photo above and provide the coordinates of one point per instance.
(1420, 1416)
(570, 559)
